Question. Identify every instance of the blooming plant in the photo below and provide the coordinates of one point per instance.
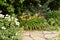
(8, 27)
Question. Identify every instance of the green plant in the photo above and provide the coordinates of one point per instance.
(37, 23)
(52, 14)
(9, 27)
(34, 24)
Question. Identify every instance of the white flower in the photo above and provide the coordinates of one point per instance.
(7, 15)
(0, 11)
(3, 27)
(16, 19)
(17, 23)
(1, 15)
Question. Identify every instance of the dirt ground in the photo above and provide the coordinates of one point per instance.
(39, 35)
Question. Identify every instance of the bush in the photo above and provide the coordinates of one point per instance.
(38, 23)
(52, 14)
(35, 23)
(9, 27)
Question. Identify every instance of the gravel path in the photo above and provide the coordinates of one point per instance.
(39, 35)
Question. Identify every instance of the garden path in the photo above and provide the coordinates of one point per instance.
(39, 35)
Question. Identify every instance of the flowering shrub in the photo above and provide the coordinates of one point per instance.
(8, 27)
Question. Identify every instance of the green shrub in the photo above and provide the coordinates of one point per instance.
(34, 24)
(54, 24)
(52, 14)
(9, 27)
(40, 24)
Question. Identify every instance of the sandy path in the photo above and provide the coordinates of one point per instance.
(39, 35)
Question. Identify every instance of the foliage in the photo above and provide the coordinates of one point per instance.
(33, 24)
(52, 14)
(17, 7)
(9, 27)
(14, 6)
(37, 22)
(54, 5)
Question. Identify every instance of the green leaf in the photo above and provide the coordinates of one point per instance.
(21, 1)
